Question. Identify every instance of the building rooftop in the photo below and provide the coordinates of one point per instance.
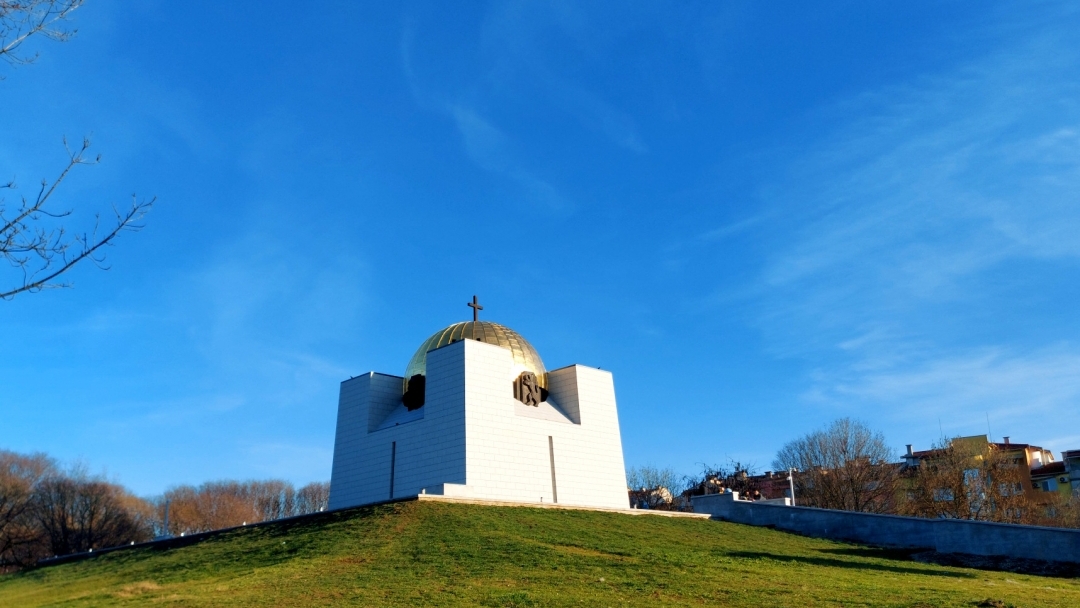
(1053, 468)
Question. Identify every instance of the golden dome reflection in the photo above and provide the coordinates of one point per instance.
(525, 356)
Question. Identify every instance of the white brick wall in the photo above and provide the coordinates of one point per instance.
(475, 434)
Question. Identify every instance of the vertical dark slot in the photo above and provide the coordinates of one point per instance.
(551, 456)
(393, 461)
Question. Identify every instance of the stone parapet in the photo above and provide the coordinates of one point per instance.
(941, 535)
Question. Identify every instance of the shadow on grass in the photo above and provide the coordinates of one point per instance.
(829, 562)
(874, 552)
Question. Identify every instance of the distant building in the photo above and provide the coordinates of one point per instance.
(1071, 458)
(1038, 471)
(773, 484)
(1051, 478)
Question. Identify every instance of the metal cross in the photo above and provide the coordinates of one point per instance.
(476, 308)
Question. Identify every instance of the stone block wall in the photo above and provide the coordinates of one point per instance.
(943, 535)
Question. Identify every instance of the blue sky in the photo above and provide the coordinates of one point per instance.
(759, 216)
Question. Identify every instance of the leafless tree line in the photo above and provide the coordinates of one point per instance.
(48, 510)
(222, 504)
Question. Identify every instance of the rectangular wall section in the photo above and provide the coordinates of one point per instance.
(510, 457)
(426, 452)
(384, 396)
(353, 466)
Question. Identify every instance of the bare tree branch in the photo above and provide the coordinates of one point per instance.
(21, 19)
(41, 250)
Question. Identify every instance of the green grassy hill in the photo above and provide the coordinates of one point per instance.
(429, 553)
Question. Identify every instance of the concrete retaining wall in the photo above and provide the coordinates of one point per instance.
(943, 535)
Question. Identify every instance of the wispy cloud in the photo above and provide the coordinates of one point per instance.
(956, 153)
(890, 232)
(930, 186)
(594, 113)
(1015, 391)
(732, 229)
(520, 41)
(485, 144)
(490, 148)
(987, 379)
(512, 76)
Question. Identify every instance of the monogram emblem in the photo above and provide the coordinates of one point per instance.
(527, 389)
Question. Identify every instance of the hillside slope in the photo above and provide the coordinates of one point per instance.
(450, 554)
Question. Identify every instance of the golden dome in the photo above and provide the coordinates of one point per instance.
(525, 356)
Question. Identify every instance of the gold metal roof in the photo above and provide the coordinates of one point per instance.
(525, 356)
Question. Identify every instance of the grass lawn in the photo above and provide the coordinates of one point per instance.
(438, 554)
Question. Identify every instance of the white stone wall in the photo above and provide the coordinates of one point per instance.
(353, 472)
(509, 454)
(476, 440)
(429, 451)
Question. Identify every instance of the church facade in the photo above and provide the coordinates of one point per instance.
(478, 416)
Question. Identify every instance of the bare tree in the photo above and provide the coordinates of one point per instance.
(652, 487)
(846, 466)
(1061, 512)
(20, 476)
(33, 237)
(273, 499)
(961, 481)
(736, 476)
(78, 513)
(312, 498)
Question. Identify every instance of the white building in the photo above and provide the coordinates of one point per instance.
(487, 421)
